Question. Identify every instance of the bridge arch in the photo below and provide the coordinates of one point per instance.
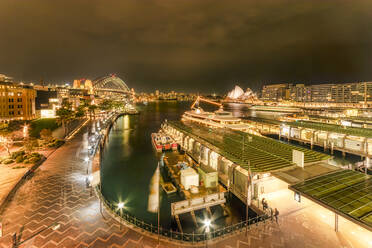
(110, 83)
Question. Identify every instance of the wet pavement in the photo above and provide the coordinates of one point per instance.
(58, 193)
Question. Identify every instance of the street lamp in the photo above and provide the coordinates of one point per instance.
(120, 207)
(25, 131)
(207, 224)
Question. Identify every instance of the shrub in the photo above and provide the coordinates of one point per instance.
(35, 154)
(46, 134)
(31, 144)
(8, 161)
(18, 167)
(19, 159)
(32, 160)
(14, 155)
(40, 124)
(56, 143)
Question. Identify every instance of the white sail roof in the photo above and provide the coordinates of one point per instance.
(235, 93)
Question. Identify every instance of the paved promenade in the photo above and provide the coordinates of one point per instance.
(58, 193)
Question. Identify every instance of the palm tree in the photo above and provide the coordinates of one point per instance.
(92, 109)
(65, 115)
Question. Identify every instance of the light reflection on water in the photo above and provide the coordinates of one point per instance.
(129, 161)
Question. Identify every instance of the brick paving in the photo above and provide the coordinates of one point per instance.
(58, 193)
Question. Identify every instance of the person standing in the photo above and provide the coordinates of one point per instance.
(271, 214)
(276, 214)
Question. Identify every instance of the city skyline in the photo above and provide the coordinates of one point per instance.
(188, 45)
(193, 123)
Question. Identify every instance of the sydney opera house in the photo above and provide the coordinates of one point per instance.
(238, 95)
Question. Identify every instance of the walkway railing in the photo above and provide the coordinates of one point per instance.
(178, 236)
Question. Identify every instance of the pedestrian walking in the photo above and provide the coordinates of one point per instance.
(271, 214)
(276, 213)
(263, 203)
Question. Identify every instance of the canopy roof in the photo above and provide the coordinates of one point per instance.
(259, 153)
(346, 192)
(352, 131)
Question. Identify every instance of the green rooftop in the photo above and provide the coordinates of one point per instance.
(346, 192)
(353, 131)
(260, 153)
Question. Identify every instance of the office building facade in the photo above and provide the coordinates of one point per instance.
(348, 93)
(17, 102)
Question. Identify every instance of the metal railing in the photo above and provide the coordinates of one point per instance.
(181, 236)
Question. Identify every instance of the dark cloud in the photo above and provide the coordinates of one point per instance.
(188, 45)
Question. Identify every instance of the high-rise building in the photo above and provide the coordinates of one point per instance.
(318, 93)
(353, 93)
(76, 84)
(274, 92)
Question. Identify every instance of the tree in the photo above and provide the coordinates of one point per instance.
(6, 140)
(119, 105)
(64, 116)
(106, 105)
(92, 109)
(80, 111)
(30, 145)
(46, 134)
(6, 137)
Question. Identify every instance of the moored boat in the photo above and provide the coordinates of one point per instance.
(216, 119)
(163, 142)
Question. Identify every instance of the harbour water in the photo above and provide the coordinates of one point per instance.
(129, 162)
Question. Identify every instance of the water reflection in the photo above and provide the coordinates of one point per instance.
(129, 162)
(126, 135)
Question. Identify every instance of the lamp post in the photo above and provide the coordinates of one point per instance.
(120, 207)
(25, 131)
(207, 224)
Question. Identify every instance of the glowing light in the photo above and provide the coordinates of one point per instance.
(56, 226)
(86, 159)
(207, 224)
(47, 113)
(25, 131)
(120, 205)
(90, 178)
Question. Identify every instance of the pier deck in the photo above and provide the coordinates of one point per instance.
(259, 153)
(353, 140)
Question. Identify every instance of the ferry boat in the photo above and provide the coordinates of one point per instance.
(163, 142)
(216, 119)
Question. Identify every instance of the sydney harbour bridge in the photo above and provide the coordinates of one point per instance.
(111, 86)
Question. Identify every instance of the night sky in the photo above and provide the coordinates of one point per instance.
(188, 45)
